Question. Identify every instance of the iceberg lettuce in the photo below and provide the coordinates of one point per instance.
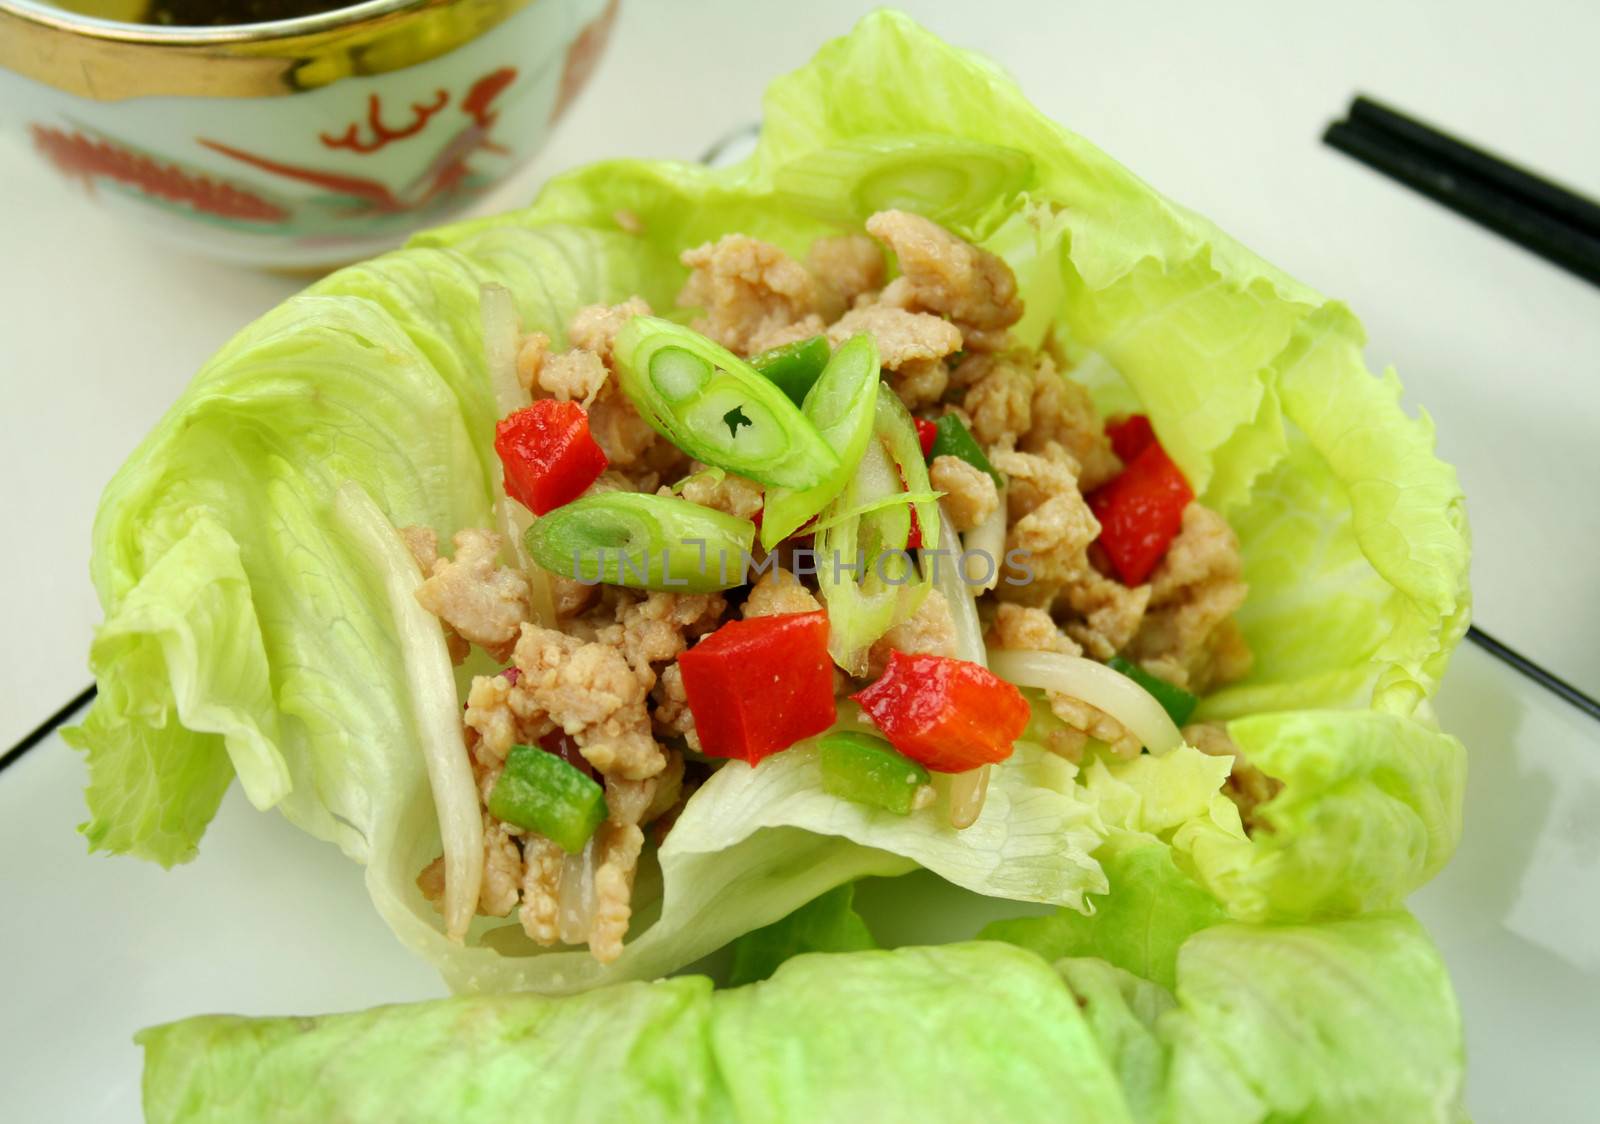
(1345, 1021)
(244, 636)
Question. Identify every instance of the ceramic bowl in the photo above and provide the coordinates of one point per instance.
(297, 143)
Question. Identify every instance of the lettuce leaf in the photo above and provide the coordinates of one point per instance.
(1346, 1021)
(1370, 809)
(244, 637)
(1123, 1011)
(826, 924)
(1234, 361)
(954, 1032)
(238, 628)
(1153, 907)
(756, 843)
(635, 1052)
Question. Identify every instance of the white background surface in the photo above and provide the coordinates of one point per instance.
(1219, 105)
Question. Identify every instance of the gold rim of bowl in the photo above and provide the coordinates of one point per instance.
(105, 60)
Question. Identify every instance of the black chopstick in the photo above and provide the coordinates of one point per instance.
(48, 726)
(1553, 222)
(1550, 681)
(1536, 191)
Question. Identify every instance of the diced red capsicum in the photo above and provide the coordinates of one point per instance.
(548, 455)
(950, 715)
(914, 536)
(1140, 512)
(757, 686)
(1130, 436)
(927, 433)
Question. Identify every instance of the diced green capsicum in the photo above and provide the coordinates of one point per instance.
(841, 407)
(643, 541)
(1178, 703)
(540, 792)
(794, 367)
(868, 770)
(716, 407)
(953, 440)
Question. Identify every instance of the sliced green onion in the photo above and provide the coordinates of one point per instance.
(899, 433)
(1174, 699)
(954, 440)
(883, 526)
(892, 588)
(867, 770)
(794, 367)
(862, 605)
(540, 792)
(964, 185)
(717, 408)
(643, 542)
(709, 475)
(842, 407)
(904, 499)
(678, 374)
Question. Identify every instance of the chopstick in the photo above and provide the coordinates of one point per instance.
(1554, 222)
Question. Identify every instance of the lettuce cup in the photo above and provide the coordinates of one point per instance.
(1247, 568)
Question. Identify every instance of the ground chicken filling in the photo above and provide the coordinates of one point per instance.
(603, 688)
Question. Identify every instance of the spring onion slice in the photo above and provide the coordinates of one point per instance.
(435, 710)
(502, 335)
(967, 790)
(968, 186)
(717, 408)
(1097, 685)
(983, 549)
(861, 606)
(843, 406)
(883, 503)
(900, 438)
(643, 541)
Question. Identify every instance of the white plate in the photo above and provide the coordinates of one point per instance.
(268, 921)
